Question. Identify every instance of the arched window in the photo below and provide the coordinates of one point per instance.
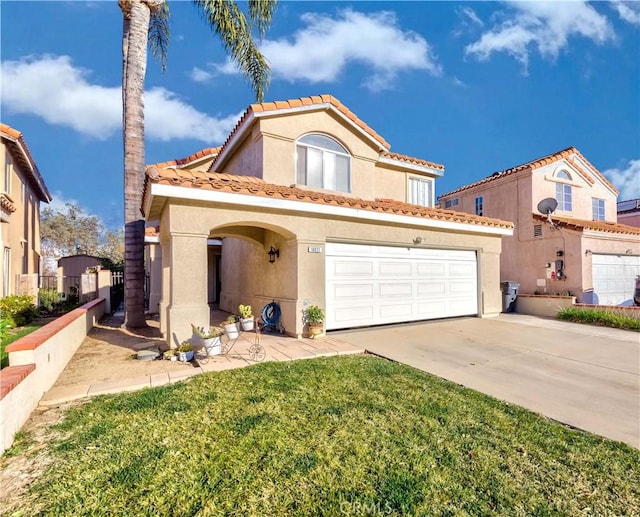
(322, 162)
(563, 175)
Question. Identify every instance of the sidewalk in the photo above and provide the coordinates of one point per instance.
(104, 362)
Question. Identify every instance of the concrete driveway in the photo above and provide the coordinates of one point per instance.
(584, 376)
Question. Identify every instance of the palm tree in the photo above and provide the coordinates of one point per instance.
(146, 22)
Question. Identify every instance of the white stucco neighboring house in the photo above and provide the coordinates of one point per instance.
(304, 204)
(580, 248)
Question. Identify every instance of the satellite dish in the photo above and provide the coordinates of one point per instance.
(547, 206)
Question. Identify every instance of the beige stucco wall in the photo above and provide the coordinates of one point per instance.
(268, 151)
(297, 278)
(22, 233)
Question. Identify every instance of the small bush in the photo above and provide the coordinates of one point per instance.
(18, 310)
(49, 299)
(599, 317)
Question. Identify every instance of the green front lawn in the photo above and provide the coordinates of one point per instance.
(355, 435)
(13, 335)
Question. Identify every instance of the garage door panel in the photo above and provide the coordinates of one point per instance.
(343, 291)
(394, 268)
(431, 288)
(402, 284)
(348, 314)
(352, 268)
(391, 312)
(396, 289)
(430, 269)
(462, 269)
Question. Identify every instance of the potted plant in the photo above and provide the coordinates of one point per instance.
(209, 339)
(315, 319)
(185, 352)
(246, 317)
(170, 355)
(230, 327)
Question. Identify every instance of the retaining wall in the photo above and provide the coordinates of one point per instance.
(35, 363)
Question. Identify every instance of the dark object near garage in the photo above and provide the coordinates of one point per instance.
(636, 292)
(509, 295)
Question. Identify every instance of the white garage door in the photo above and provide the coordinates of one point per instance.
(373, 285)
(614, 278)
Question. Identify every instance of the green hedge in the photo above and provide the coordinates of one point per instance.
(18, 310)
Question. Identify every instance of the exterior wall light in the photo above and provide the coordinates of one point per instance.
(273, 253)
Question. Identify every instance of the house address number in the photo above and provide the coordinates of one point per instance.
(315, 249)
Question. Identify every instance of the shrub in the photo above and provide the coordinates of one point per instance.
(18, 310)
(49, 298)
(599, 317)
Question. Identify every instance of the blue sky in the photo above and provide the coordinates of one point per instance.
(476, 86)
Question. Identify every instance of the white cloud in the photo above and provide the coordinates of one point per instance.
(322, 50)
(199, 75)
(545, 25)
(472, 16)
(626, 180)
(628, 11)
(52, 88)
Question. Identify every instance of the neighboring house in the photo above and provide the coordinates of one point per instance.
(304, 204)
(21, 192)
(580, 248)
(629, 211)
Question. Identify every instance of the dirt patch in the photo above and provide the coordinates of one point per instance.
(108, 353)
(19, 469)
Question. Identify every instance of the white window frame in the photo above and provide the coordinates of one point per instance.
(8, 170)
(449, 203)
(597, 209)
(420, 191)
(329, 179)
(564, 191)
(479, 205)
(6, 271)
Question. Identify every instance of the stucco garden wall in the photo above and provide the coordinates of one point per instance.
(35, 363)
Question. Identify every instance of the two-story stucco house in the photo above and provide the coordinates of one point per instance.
(580, 248)
(21, 192)
(305, 204)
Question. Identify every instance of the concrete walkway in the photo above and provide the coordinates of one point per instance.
(277, 347)
(584, 376)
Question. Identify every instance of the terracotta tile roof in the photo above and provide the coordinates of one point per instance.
(412, 160)
(582, 224)
(6, 204)
(257, 187)
(204, 153)
(302, 102)
(14, 139)
(536, 164)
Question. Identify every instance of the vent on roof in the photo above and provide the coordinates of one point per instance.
(537, 230)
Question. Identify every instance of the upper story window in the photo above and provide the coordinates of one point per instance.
(322, 162)
(420, 192)
(563, 196)
(597, 209)
(8, 166)
(450, 203)
(563, 175)
(479, 206)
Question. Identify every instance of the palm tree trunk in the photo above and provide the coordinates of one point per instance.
(134, 64)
